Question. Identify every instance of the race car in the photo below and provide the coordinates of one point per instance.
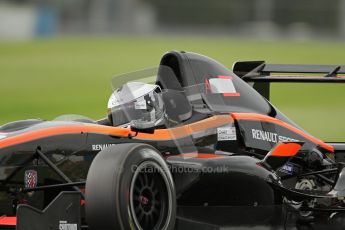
(188, 145)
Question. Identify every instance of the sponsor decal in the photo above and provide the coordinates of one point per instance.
(30, 178)
(226, 133)
(222, 85)
(140, 104)
(99, 147)
(64, 225)
(287, 168)
(270, 137)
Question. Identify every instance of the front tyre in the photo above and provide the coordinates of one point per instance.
(129, 186)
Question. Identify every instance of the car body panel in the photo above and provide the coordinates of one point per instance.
(218, 157)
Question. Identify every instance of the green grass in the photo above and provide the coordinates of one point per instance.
(47, 78)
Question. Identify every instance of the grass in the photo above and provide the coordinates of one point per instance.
(47, 78)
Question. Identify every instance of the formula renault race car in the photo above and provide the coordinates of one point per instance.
(188, 145)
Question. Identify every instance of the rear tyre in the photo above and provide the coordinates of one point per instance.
(129, 186)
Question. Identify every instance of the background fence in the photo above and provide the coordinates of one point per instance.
(296, 19)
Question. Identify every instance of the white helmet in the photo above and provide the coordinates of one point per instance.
(138, 104)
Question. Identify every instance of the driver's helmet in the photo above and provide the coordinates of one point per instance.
(138, 104)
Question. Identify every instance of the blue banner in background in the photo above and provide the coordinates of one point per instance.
(46, 22)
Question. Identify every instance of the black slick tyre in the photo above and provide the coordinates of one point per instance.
(129, 186)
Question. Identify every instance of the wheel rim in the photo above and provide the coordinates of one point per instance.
(150, 198)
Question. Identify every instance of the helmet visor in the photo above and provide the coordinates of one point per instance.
(139, 104)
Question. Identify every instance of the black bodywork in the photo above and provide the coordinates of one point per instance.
(223, 182)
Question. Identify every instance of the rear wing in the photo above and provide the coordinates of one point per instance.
(262, 74)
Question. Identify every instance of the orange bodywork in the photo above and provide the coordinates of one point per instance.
(8, 221)
(254, 116)
(158, 134)
(286, 150)
(62, 130)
